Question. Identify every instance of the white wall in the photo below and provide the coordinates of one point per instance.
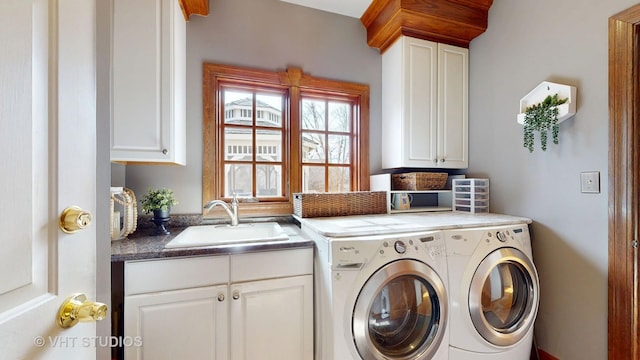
(270, 35)
(561, 41)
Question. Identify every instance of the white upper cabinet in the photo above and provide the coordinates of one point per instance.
(148, 118)
(424, 105)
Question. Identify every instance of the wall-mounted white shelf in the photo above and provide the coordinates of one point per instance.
(544, 89)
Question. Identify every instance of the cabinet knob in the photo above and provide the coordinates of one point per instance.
(236, 295)
(165, 151)
(442, 160)
(435, 161)
(221, 297)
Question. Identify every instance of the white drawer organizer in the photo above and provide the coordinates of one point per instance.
(471, 195)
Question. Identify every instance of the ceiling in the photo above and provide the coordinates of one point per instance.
(353, 8)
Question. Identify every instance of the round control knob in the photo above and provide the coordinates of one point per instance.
(501, 236)
(400, 247)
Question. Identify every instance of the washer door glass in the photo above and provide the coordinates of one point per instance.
(400, 312)
(503, 299)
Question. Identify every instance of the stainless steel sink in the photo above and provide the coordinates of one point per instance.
(207, 235)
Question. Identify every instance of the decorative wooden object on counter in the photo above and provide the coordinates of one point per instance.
(194, 7)
(454, 22)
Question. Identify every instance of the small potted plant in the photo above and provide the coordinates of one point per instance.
(542, 117)
(159, 201)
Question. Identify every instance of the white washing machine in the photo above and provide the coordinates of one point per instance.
(493, 292)
(381, 297)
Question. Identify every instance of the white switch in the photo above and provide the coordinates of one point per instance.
(590, 182)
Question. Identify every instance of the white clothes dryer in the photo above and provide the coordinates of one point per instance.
(381, 297)
(494, 293)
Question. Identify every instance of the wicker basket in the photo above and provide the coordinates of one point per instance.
(339, 204)
(418, 181)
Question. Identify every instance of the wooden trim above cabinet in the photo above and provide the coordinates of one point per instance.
(454, 22)
(191, 7)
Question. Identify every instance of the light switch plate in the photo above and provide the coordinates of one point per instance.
(590, 182)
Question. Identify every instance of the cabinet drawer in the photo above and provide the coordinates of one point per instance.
(183, 273)
(272, 264)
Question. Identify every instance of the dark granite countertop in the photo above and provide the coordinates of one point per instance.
(141, 246)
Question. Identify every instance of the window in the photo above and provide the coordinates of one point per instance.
(309, 135)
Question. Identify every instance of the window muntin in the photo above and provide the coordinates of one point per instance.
(227, 167)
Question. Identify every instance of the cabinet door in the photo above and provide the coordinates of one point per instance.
(420, 87)
(409, 104)
(148, 82)
(180, 324)
(453, 107)
(272, 319)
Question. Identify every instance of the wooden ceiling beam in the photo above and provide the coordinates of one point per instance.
(194, 7)
(454, 22)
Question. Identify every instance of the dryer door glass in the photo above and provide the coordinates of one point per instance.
(503, 297)
(400, 315)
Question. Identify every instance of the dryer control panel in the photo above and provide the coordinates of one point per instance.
(467, 241)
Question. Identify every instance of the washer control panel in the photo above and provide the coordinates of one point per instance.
(354, 253)
(400, 247)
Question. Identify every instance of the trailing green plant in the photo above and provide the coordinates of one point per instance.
(542, 117)
(158, 199)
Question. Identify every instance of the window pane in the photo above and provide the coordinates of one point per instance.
(269, 180)
(237, 107)
(339, 149)
(237, 179)
(269, 143)
(237, 144)
(313, 148)
(339, 180)
(313, 114)
(339, 117)
(313, 179)
(269, 110)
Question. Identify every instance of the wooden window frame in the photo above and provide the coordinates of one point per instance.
(296, 82)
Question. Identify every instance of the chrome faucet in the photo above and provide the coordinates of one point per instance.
(231, 210)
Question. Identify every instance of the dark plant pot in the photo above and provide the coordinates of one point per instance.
(161, 218)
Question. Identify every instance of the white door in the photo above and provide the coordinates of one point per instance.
(48, 157)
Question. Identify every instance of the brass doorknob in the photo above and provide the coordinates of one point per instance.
(77, 308)
(73, 219)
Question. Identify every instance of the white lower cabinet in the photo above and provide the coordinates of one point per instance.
(270, 319)
(238, 307)
(179, 324)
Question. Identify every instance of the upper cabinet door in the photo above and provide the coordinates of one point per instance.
(453, 105)
(148, 122)
(424, 105)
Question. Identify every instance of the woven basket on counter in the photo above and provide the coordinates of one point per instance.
(339, 204)
(419, 181)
